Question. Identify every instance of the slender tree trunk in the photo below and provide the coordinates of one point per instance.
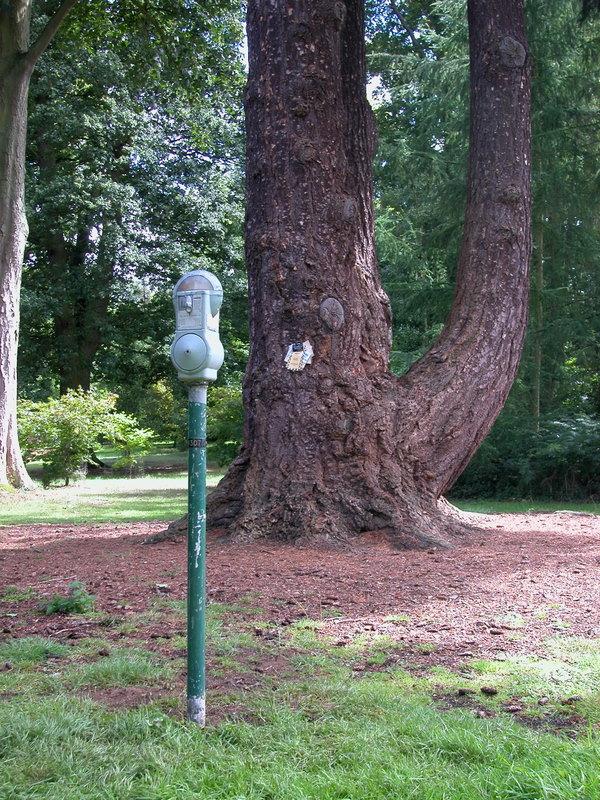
(539, 322)
(342, 446)
(81, 318)
(17, 60)
(14, 84)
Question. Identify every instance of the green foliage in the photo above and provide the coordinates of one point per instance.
(225, 422)
(77, 601)
(63, 433)
(132, 441)
(164, 412)
(139, 183)
(418, 55)
(559, 461)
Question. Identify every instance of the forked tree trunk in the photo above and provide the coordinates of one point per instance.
(344, 447)
(17, 60)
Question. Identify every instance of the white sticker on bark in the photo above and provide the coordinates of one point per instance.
(298, 355)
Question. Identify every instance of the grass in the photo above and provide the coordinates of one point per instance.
(567, 677)
(41, 666)
(129, 667)
(159, 497)
(97, 500)
(337, 721)
(490, 506)
(30, 650)
(322, 733)
(329, 739)
(14, 594)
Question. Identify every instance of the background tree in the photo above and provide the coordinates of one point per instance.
(343, 446)
(138, 184)
(157, 46)
(18, 57)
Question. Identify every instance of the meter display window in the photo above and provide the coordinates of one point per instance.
(196, 351)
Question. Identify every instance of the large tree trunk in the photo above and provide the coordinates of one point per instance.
(14, 84)
(343, 447)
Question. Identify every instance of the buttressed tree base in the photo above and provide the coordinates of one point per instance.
(341, 446)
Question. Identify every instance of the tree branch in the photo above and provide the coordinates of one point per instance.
(41, 43)
(402, 19)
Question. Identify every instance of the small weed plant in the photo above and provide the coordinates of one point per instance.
(77, 601)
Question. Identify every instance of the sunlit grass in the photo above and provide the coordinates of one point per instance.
(491, 506)
(162, 495)
(96, 500)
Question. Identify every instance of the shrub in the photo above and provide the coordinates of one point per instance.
(225, 421)
(77, 601)
(66, 432)
(561, 461)
(565, 462)
(165, 412)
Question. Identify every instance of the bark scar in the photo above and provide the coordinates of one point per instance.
(512, 52)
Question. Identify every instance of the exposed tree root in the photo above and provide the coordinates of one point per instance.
(329, 517)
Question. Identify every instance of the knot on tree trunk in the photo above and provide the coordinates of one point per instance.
(333, 11)
(512, 53)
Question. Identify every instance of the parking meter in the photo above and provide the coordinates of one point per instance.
(197, 354)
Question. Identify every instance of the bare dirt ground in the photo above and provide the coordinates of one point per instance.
(538, 569)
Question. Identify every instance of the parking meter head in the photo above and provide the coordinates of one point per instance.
(197, 352)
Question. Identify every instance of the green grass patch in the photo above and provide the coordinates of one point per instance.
(162, 495)
(121, 668)
(14, 594)
(397, 619)
(319, 733)
(565, 681)
(329, 739)
(31, 650)
(491, 506)
(225, 637)
(97, 500)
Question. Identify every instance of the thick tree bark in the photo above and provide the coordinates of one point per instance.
(17, 60)
(343, 447)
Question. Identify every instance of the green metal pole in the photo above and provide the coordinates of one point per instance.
(196, 601)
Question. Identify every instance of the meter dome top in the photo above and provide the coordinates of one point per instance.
(199, 281)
